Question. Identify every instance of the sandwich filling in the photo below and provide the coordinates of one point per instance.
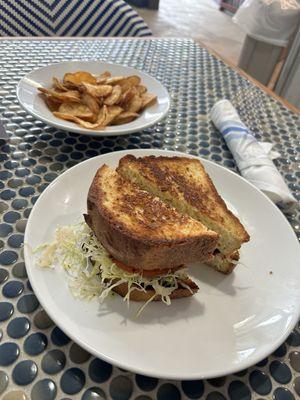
(94, 273)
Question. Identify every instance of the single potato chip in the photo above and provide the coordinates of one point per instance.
(124, 118)
(78, 120)
(77, 78)
(129, 82)
(112, 113)
(91, 102)
(96, 90)
(58, 85)
(77, 110)
(114, 80)
(101, 79)
(70, 96)
(127, 96)
(114, 97)
(134, 104)
(148, 99)
(52, 103)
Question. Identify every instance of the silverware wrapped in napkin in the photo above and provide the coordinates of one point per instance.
(253, 158)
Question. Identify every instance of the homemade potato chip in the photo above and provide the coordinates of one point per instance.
(58, 85)
(96, 90)
(53, 104)
(134, 104)
(77, 110)
(101, 79)
(148, 99)
(94, 102)
(129, 82)
(91, 102)
(114, 97)
(124, 118)
(71, 95)
(77, 78)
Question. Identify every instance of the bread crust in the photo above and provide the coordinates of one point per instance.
(138, 250)
(170, 175)
(137, 295)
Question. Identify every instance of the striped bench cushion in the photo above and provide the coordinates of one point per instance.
(70, 18)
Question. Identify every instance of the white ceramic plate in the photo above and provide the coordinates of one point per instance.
(231, 323)
(32, 101)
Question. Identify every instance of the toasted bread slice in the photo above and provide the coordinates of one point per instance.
(138, 295)
(183, 183)
(224, 264)
(139, 229)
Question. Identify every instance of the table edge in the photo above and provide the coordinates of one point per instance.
(209, 49)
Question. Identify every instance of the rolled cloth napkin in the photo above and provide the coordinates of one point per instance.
(253, 158)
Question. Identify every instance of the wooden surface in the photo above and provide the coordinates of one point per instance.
(211, 51)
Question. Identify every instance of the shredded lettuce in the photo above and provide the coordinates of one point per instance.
(92, 272)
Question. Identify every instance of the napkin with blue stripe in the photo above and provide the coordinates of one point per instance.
(253, 158)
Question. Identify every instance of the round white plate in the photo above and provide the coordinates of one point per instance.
(33, 102)
(233, 321)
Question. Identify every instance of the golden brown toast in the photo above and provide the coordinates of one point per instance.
(139, 229)
(184, 183)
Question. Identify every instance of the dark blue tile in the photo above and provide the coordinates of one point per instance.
(193, 389)
(99, 370)
(294, 339)
(33, 180)
(50, 176)
(26, 191)
(283, 394)
(3, 275)
(44, 389)
(93, 393)
(5, 230)
(146, 383)
(11, 164)
(6, 310)
(281, 351)
(7, 194)
(11, 217)
(262, 363)
(280, 372)
(53, 362)
(9, 352)
(5, 175)
(24, 372)
(8, 257)
(260, 382)
(237, 390)
(19, 204)
(27, 303)
(16, 241)
(28, 162)
(58, 337)
(19, 270)
(12, 289)
(21, 172)
(35, 343)
(72, 381)
(39, 169)
(18, 327)
(166, 391)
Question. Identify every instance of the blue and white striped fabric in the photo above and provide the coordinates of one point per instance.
(253, 158)
(70, 18)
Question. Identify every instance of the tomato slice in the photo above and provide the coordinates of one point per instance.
(145, 272)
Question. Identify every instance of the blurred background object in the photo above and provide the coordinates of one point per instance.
(70, 18)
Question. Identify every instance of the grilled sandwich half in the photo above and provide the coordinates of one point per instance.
(139, 229)
(184, 184)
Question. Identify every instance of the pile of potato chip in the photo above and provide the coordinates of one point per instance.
(95, 102)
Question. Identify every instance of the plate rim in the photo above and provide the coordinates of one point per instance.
(243, 364)
(83, 131)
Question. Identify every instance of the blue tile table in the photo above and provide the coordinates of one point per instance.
(37, 360)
